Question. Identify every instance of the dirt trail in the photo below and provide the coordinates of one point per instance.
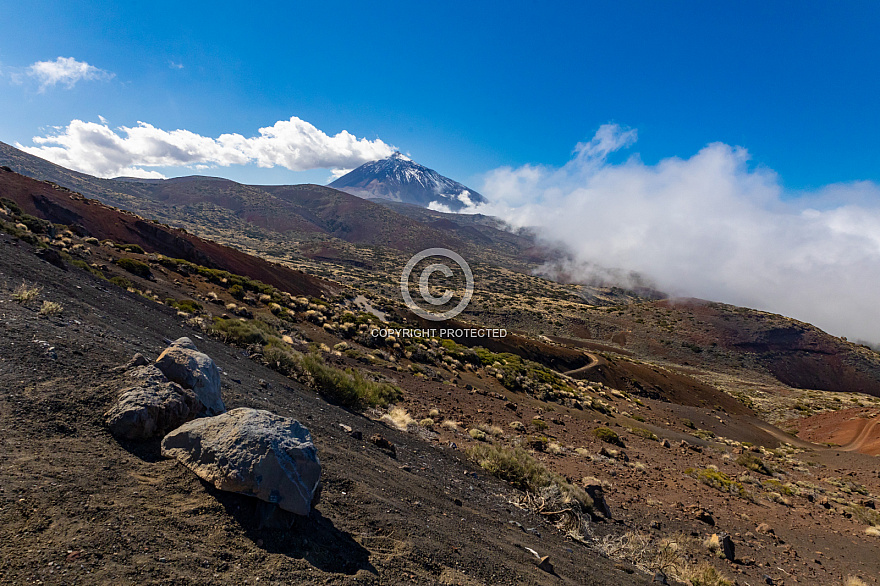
(594, 362)
(867, 440)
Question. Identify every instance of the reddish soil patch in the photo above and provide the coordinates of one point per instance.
(856, 430)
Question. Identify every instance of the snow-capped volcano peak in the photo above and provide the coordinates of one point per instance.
(399, 178)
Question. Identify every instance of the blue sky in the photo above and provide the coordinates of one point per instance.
(723, 150)
(468, 87)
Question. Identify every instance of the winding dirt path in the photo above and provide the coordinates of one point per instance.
(594, 362)
(867, 437)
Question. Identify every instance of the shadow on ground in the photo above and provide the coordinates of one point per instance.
(313, 538)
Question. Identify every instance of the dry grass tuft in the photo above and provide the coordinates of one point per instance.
(25, 294)
(398, 417)
(50, 308)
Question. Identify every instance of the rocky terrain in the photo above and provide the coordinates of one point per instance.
(626, 438)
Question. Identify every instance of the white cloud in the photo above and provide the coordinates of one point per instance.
(295, 144)
(708, 226)
(337, 173)
(66, 71)
(175, 65)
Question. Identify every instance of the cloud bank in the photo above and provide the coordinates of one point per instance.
(99, 150)
(707, 226)
(66, 71)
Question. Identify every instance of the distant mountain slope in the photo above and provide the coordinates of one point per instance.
(270, 216)
(398, 178)
(92, 218)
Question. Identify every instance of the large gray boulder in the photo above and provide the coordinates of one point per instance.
(252, 452)
(182, 363)
(151, 406)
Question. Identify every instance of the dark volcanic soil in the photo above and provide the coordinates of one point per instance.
(78, 507)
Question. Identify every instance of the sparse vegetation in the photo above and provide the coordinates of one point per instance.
(608, 436)
(50, 309)
(645, 433)
(398, 417)
(135, 267)
(25, 293)
(754, 463)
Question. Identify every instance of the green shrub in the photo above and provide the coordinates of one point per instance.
(478, 434)
(719, 480)
(754, 463)
(704, 434)
(245, 333)
(645, 433)
(607, 435)
(131, 248)
(121, 282)
(519, 469)
(135, 267)
(35, 225)
(539, 424)
(187, 305)
(237, 291)
(348, 387)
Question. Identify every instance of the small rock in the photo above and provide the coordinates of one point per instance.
(723, 544)
(345, 428)
(765, 529)
(544, 564)
(665, 443)
(357, 435)
(659, 578)
(704, 516)
(385, 445)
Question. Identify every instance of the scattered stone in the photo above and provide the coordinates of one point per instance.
(544, 564)
(665, 443)
(151, 407)
(182, 363)
(593, 487)
(659, 578)
(654, 524)
(357, 435)
(137, 360)
(723, 544)
(51, 256)
(252, 452)
(384, 445)
(704, 516)
(345, 428)
(765, 529)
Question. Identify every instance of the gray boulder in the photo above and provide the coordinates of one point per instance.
(252, 452)
(151, 406)
(182, 363)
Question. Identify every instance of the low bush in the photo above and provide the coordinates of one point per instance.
(645, 433)
(754, 463)
(245, 333)
(135, 267)
(607, 435)
(519, 469)
(25, 293)
(50, 308)
(348, 387)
